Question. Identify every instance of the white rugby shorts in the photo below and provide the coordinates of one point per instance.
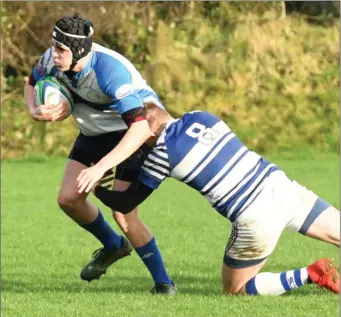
(281, 204)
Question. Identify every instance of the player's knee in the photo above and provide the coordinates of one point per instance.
(230, 289)
(67, 201)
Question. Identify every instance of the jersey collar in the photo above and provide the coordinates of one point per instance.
(88, 66)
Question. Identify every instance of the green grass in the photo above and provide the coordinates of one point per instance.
(43, 252)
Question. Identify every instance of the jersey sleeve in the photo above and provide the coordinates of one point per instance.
(44, 67)
(156, 167)
(127, 98)
(115, 80)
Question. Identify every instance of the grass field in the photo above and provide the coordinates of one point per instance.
(42, 252)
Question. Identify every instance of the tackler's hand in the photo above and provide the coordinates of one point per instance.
(88, 177)
(106, 181)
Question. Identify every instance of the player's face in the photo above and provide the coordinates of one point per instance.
(62, 58)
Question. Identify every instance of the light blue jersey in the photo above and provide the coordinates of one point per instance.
(107, 87)
(200, 150)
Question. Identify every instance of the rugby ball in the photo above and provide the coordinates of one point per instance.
(50, 91)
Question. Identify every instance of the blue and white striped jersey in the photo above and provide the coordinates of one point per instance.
(107, 87)
(200, 150)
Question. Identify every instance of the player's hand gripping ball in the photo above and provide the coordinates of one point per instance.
(50, 91)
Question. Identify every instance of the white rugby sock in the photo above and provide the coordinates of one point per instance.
(276, 283)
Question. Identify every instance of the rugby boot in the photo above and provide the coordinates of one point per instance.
(102, 259)
(325, 274)
(164, 289)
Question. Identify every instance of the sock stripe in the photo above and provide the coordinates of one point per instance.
(284, 281)
(267, 283)
(297, 276)
(251, 287)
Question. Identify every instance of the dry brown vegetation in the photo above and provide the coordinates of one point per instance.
(273, 79)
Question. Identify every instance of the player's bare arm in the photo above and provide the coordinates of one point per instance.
(137, 134)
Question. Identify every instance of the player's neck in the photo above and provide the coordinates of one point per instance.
(157, 131)
(160, 127)
(81, 64)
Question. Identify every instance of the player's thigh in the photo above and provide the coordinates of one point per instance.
(82, 155)
(251, 242)
(312, 216)
(68, 191)
(326, 227)
(86, 150)
(253, 238)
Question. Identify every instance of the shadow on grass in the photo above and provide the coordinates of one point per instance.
(191, 285)
(107, 284)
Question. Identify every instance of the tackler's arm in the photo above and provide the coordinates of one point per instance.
(123, 201)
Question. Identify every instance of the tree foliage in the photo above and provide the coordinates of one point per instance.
(274, 78)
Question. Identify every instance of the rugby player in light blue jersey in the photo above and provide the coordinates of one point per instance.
(255, 195)
(108, 93)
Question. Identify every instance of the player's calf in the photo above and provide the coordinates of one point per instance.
(145, 246)
(248, 281)
(147, 249)
(323, 273)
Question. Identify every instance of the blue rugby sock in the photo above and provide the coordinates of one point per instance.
(104, 233)
(151, 257)
(277, 283)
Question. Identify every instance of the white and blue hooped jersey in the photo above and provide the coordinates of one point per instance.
(200, 150)
(107, 87)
